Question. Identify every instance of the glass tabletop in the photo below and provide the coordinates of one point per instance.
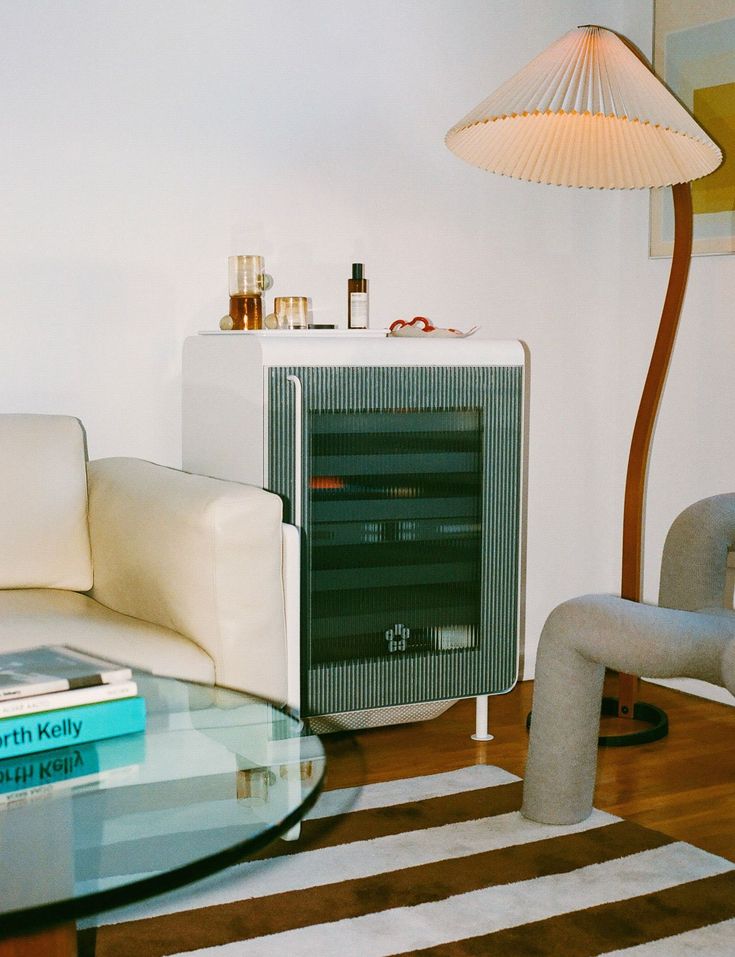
(216, 775)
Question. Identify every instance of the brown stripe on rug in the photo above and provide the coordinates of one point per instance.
(533, 890)
(402, 818)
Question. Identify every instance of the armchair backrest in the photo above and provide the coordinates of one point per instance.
(44, 537)
(695, 555)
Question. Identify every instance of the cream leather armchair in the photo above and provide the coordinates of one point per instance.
(175, 573)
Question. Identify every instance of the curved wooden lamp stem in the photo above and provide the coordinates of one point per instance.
(635, 482)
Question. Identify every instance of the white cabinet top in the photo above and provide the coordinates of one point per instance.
(353, 347)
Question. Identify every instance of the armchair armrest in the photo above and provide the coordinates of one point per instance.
(197, 555)
(694, 561)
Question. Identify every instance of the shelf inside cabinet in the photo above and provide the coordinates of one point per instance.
(395, 506)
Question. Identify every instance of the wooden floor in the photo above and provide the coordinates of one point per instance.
(683, 785)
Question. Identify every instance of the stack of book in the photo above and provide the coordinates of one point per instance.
(52, 697)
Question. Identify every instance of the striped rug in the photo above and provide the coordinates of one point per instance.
(443, 865)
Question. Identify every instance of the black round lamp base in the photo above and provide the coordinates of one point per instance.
(656, 719)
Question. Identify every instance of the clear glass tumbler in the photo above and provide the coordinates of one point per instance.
(292, 312)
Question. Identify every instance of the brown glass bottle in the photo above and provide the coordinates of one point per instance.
(357, 299)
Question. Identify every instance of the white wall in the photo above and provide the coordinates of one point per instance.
(144, 141)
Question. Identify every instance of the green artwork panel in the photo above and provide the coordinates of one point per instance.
(714, 107)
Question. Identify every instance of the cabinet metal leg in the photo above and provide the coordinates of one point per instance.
(481, 709)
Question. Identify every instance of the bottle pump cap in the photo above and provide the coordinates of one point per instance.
(357, 270)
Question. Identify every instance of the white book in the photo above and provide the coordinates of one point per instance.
(10, 707)
(46, 669)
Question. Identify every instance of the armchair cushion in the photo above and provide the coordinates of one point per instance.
(44, 540)
(47, 616)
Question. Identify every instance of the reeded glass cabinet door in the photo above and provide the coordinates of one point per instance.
(406, 485)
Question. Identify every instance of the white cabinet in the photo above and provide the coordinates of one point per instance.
(400, 463)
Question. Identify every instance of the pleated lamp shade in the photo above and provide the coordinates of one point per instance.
(586, 112)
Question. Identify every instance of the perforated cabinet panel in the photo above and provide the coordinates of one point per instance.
(409, 498)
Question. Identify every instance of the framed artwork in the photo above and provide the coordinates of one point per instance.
(694, 54)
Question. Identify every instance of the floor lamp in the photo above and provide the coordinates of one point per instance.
(589, 112)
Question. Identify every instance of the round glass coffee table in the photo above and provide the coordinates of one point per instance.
(216, 776)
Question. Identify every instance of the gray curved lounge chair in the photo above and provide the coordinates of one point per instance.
(689, 634)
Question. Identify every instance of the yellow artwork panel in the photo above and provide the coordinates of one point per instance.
(714, 108)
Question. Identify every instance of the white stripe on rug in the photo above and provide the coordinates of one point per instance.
(702, 942)
(330, 865)
(405, 790)
(407, 929)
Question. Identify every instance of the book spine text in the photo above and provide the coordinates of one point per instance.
(26, 734)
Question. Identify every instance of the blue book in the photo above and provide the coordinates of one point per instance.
(26, 734)
(80, 762)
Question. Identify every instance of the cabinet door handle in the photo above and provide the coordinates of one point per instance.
(297, 451)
